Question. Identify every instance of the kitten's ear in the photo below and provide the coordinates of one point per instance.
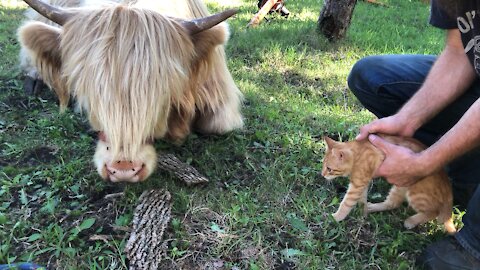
(328, 141)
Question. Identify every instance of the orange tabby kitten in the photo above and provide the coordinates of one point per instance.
(431, 197)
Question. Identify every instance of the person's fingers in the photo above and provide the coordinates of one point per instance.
(379, 143)
(365, 131)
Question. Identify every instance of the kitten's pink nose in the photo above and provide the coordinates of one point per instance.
(324, 172)
(125, 171)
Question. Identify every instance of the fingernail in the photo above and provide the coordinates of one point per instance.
(372, 137)
(358, 137)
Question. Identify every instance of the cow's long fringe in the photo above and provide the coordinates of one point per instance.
(126, 69)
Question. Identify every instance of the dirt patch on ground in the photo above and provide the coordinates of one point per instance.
(21, 102)
(4, 161)
(363, 235)
(199, 242)
(296, 79)
(40, 155)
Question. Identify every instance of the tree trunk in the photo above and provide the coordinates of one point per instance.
(335, 18)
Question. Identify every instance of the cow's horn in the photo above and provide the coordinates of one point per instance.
(202, 24)
(56, 15)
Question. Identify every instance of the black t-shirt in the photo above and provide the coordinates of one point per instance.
(464, 16)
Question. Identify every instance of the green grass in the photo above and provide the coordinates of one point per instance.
(266, 206)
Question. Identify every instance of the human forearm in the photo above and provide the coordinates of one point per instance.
(464, 136)
(449, 77)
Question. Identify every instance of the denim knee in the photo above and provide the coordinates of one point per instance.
(362, 76)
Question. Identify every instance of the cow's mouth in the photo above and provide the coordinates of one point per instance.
(132, 174)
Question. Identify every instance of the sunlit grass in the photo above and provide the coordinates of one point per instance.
(226, 3)
(12, 4)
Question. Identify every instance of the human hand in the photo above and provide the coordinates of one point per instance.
(401, 166)
(392, 125)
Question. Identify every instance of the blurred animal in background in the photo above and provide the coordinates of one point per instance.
(278, 7)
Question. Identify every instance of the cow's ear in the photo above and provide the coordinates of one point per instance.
(42, 44)
(206, 41)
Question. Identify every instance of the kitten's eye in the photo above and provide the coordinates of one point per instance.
(108, 148)
(329, 170)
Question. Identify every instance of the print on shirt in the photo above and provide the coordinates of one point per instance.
(470, 37)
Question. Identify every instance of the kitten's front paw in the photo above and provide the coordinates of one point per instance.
(365, 210)
(338, 217)
(374, 207)
(369, 207)
(409, 224)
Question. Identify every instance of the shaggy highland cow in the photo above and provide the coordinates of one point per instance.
(139, 69)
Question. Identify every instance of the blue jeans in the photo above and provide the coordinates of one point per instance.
(384, 83)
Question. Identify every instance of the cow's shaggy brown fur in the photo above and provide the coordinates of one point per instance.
(137, 72)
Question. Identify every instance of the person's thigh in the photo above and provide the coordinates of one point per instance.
(383, 83)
